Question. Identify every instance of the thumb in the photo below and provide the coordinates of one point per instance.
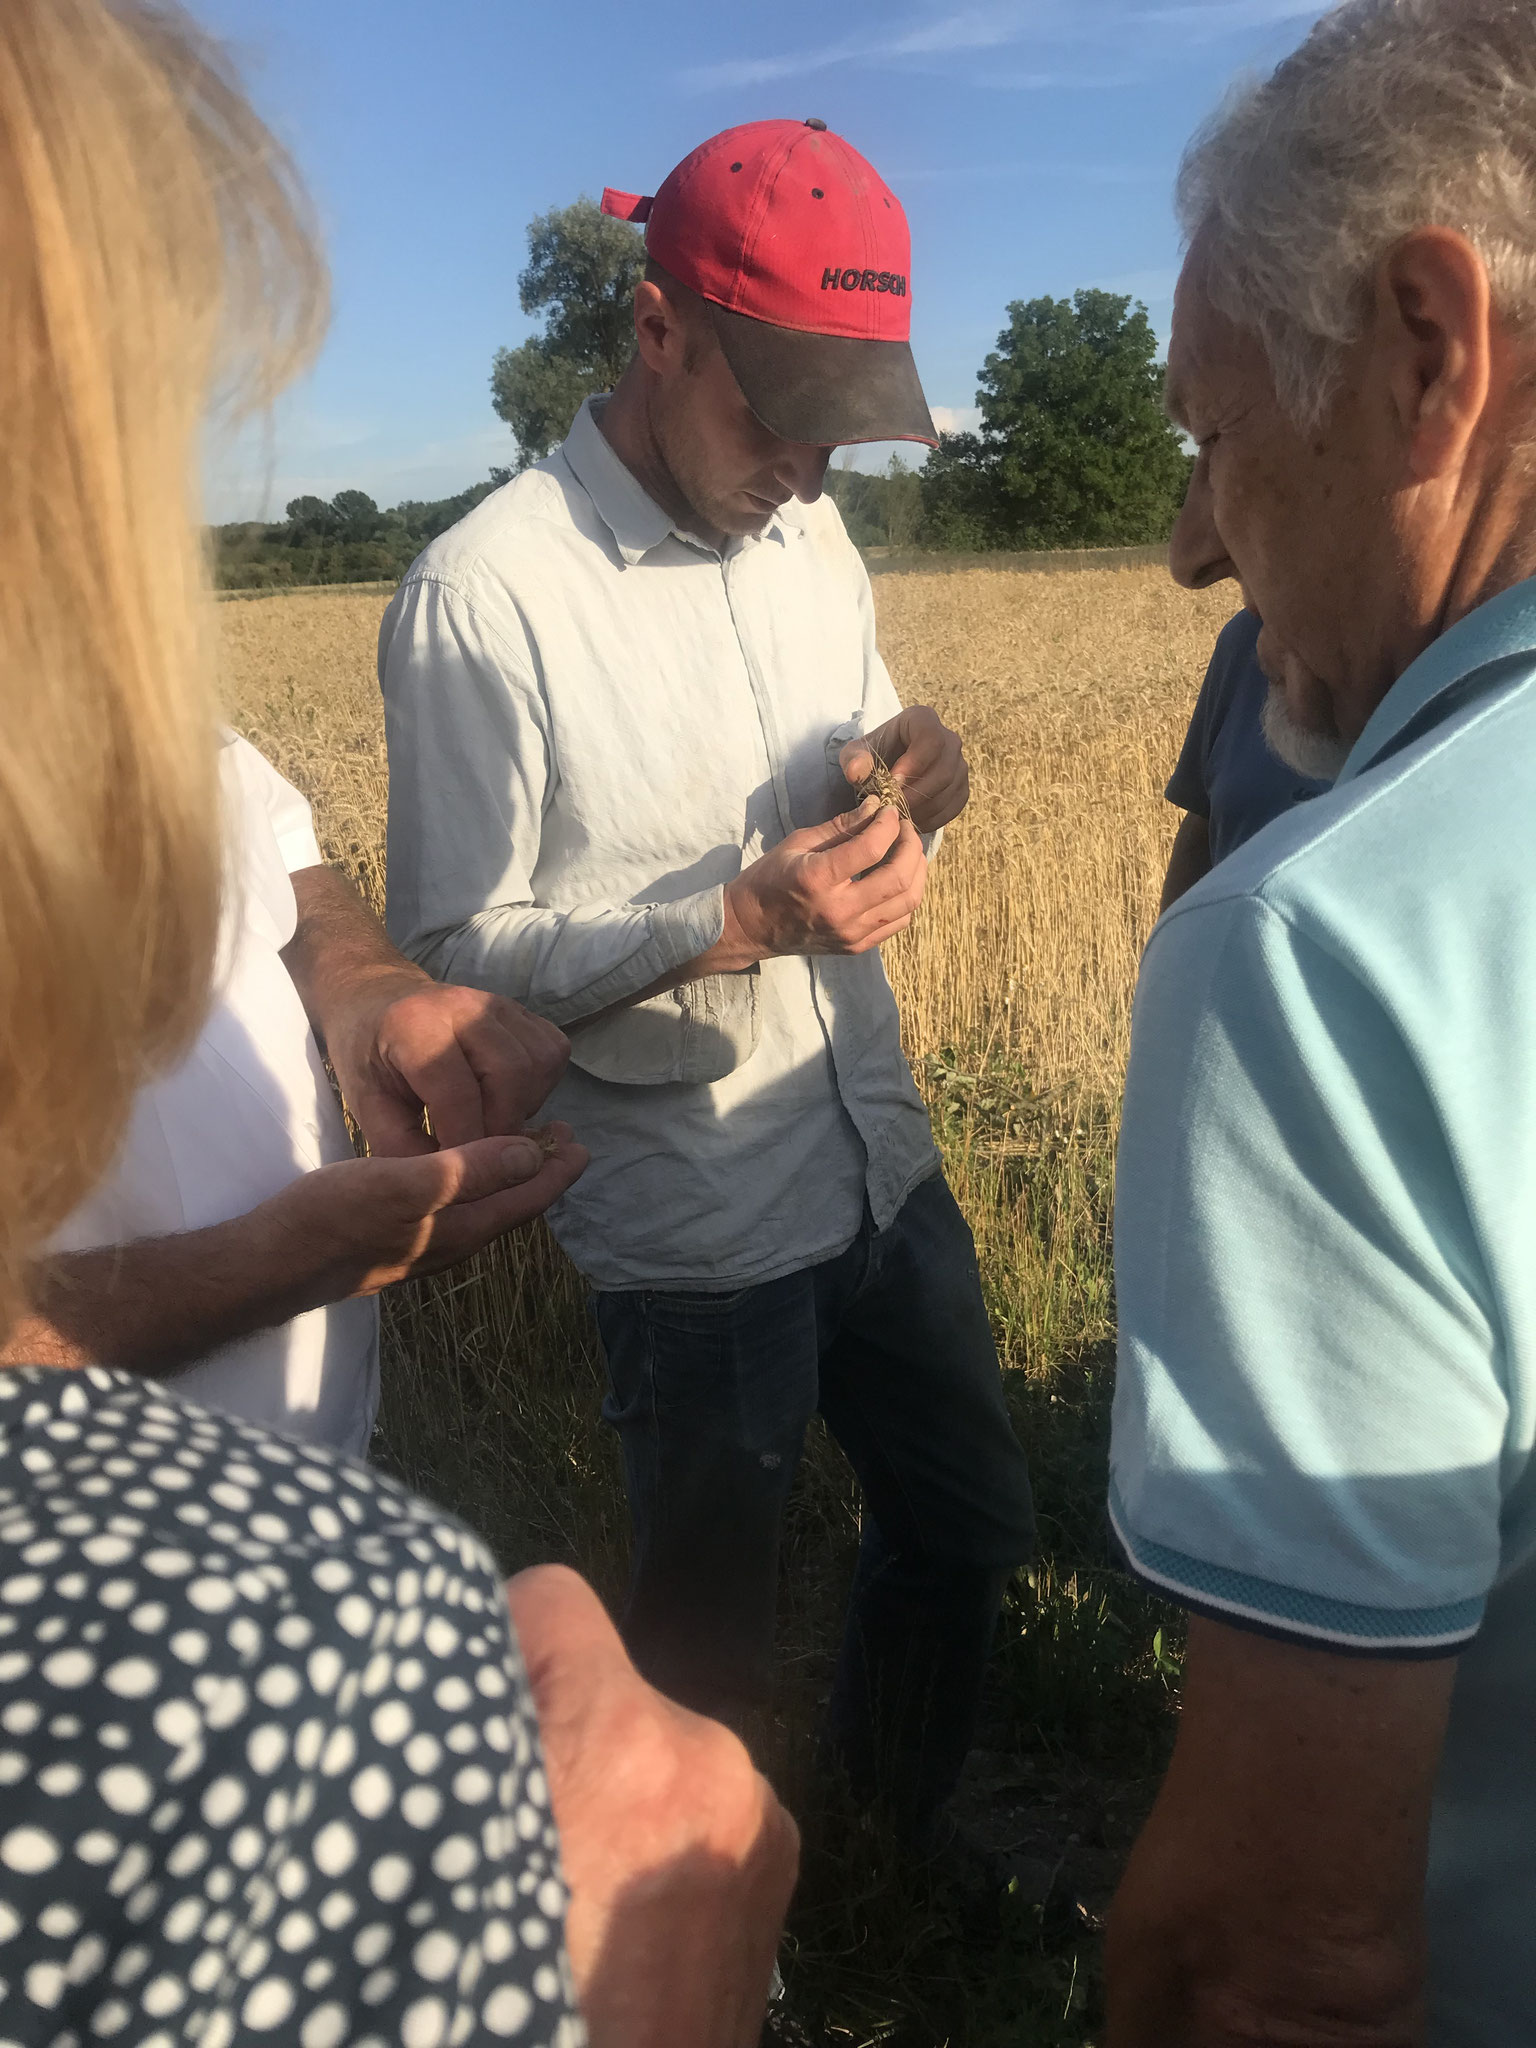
(845, 826)
(570, 1647)
(488, 1166)
(856, 762)
(864, 838)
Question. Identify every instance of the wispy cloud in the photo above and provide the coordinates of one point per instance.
(977, 28)
(994, 80)
(946, 35)
(1232, 17)
(764, 70)
(1051, 24)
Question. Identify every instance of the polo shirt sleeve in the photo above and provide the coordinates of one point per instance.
(1310, 1414)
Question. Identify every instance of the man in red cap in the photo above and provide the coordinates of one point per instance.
(629, 700)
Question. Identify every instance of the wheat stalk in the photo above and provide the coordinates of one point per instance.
(882, 784)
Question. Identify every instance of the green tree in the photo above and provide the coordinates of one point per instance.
(357, 517)
(310, 520)
(880, 510)
(1075, 449)
(583, 267)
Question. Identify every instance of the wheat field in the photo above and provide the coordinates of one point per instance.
(1072, 691)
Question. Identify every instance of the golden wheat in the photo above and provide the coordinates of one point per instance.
(1072, 692)
(300, 683)
(882, 785)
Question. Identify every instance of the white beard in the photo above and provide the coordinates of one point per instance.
(1320, 756)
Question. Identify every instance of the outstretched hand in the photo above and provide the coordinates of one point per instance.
(679, 1858)
(924, 756)
(365, 1224)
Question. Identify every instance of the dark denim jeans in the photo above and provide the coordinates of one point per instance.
(711, 1394)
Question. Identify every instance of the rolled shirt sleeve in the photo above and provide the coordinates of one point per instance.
(1311, 1413)
(473, 761)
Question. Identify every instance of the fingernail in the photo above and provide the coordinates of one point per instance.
(521, 1160)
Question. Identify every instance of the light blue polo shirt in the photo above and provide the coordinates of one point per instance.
(1325, 1256)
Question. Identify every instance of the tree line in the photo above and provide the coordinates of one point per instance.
(1073, 449)
(345, 539)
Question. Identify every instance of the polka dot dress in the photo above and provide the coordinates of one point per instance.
(269, 1769)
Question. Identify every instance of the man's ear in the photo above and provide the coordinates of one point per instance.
(1442, 342)
(659, 333)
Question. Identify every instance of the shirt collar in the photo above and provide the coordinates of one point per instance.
(1463, 662)
(634, 518)
(631, 515)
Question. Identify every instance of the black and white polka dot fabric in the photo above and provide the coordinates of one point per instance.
(269, 1770)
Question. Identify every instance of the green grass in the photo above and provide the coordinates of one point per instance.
(492, 1386)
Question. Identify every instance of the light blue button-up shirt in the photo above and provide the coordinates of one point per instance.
(595, 722)
(1326, 1256)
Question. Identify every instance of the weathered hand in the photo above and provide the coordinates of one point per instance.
(360, 1226)
(924, 756)
(479, 1065)
(679, 1858)
(842, 887)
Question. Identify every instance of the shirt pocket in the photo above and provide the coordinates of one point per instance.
(696, 1033)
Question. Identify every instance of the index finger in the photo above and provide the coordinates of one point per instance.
(390, 1122)
(450, 1092)
(512, 1087)
(924, 750)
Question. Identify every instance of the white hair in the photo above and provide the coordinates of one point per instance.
(1320, 756)
(1393, 115)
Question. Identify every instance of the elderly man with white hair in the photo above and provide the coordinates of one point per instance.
(1326, 1212)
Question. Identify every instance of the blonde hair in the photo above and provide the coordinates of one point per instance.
(154, 245)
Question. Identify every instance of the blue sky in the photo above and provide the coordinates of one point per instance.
(1034, 143)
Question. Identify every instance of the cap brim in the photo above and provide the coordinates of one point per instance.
(825, 390)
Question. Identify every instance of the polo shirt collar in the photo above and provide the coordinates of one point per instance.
(631, 515)
(1461, 663)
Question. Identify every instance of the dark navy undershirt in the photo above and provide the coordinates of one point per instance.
(1226, 774)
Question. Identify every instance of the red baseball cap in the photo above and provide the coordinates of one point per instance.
(802, 255)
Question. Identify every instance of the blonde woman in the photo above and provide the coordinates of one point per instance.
(270, 1754)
